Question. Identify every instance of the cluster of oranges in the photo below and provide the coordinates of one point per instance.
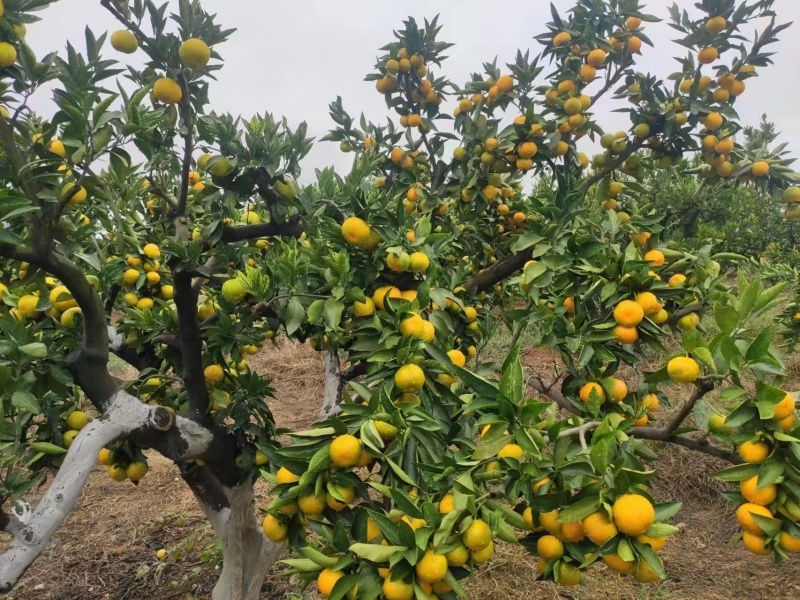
(63, 308)
(631, 516)
(193, 53)
(146, 263)
(760, 500)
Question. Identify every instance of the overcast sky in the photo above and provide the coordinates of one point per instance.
(292, 57)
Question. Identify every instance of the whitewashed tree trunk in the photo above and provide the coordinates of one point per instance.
(247, 554)
(33, 530)
(333, 385)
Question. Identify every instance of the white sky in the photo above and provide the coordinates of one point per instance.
(293, 57)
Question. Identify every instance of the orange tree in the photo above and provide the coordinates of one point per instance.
(137, 223)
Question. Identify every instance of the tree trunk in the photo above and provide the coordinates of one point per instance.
(332, 397)
(247, 554)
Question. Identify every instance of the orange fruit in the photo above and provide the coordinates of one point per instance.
(753, 452)
(626, 335)
(744, 514)
(588, 388)
(628, 313)
(633, 514)
(707, 55)
(763, 496)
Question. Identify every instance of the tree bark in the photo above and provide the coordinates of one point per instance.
(247, 554)
(334, 383)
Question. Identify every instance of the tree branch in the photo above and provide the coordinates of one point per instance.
(125, 415)
(291, 228)
(662, 435)
(191, 346)
(88, 364)
(356, 370)
(703, 387)
(613, 165)
(581, 430)
(554, 395)
(186, 117)
(499, 271)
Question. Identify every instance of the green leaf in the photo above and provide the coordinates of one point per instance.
(476, 383)
(323, 560)
(376, 552)
(769, 526)
(511, 379)
(301, 565)
(737, 473)
(667, 510)
(47, 448)
(703, 355)
(294, 316)
(400, 473)
(36, 350)
(726, 317)
(315, 311)
(760, 345)
(602, 453)
(343, 586)
(26, 402)
(488, 449)
(769, 473)
(332, 313)
(661, 530)
(579, 510)
(625, 551)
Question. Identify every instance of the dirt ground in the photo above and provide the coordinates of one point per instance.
(107, 549)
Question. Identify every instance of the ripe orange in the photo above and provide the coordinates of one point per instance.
(588, 73)
(626, 335)
(634, 44)
(549, 520)
(596, 58)
(633, 514)
(716, 25)
(620, 390)
(572, 532)
(755, 543)
(615, 563)
(760, 168)
(655, 258)
(588, 388)
(628, 313)
(744, 514)
(649, 303)
(683, 369)
(527, 150)
(505, 83)
(753, 452)
(707, 55)
(650, 402)
(644, 573)
(599, 528)
(656, 543)
(713, 121)
(561, 38)
(550, 547)
(478, 536)
(784, 408)
(764, 496)
(789, 543)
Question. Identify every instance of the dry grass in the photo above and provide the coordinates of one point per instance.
(107, 548)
